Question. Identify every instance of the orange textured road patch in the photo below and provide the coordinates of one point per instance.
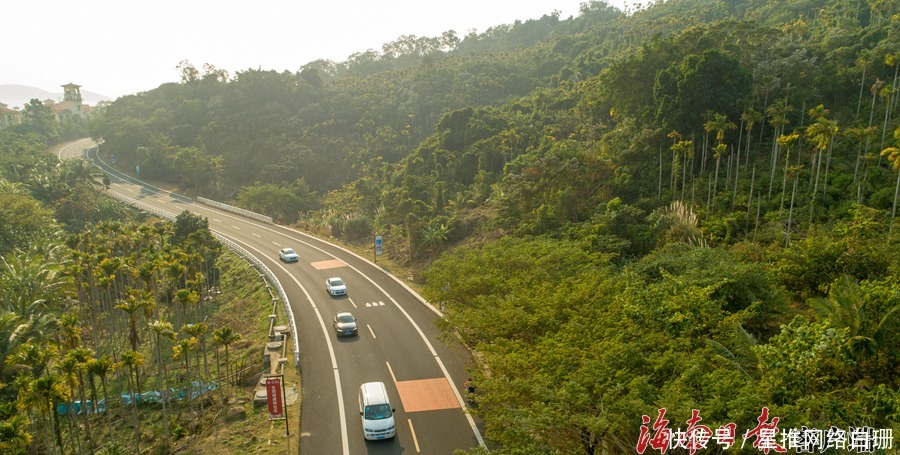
(427, 395)
(330, 264)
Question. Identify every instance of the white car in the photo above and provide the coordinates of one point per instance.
(336, 286)
(288, 255)
(376, 412)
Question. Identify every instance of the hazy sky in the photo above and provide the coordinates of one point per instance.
(119, 47)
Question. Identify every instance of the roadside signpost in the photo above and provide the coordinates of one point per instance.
(275, 397)
(377, 247)
(277, 403)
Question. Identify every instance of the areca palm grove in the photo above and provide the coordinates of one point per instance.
(76, 311)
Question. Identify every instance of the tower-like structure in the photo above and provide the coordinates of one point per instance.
(71, 101)
(72, 93)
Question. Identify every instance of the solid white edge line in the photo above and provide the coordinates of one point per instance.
(328, 339)
(345, 440)
(437, 358)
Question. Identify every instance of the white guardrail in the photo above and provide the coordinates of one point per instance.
(240, 251)
(238, 210)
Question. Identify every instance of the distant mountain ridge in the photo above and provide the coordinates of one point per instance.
(14, 95)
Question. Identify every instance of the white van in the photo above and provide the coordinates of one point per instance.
(376, 411)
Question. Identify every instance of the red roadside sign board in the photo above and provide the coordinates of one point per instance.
(274, 398)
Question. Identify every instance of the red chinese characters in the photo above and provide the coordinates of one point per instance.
(273, 390)
(765, 434)
(662, 436)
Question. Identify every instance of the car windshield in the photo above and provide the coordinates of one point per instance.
(345, 318)
(288, 251)
(378, 412)
(336, 282)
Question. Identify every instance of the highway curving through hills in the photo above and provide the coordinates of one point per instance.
(398, 343)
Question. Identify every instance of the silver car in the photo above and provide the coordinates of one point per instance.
(336, 286)
(288, 255)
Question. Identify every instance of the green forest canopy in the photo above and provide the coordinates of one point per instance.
(688, 206)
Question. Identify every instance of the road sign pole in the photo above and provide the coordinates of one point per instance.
(377, 247)
(287, 427)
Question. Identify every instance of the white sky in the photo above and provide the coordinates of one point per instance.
(119, 47)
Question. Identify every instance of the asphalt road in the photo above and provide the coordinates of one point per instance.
(398, 343)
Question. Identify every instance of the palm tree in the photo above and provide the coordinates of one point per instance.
(893, 156)
(102, 367)
(31, 357)
(750, 118)
(186, 298)
(777, 113)
(788, 142)
(163, 329)
(69, 331)
(794, 171)
(135, 301)
(79, 170)
(226, 336)
(718, 151)
(82, 357)
(134, 360)
(863, 60)
(822, 133)
(876, 87)
(197, 333)
(887, 94)
(675, 136)
(707, 128)
(69, 368)
(14, 333)
(866, 133)
(740, 355)
(848, 307)
(181, 351)
(14, 435)
(32, 280)
(43, 393)
(685, 151)
(720, 124)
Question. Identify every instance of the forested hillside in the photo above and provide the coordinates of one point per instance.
(689, 206)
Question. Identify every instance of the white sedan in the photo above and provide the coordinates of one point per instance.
(336, 286)
(288, 255)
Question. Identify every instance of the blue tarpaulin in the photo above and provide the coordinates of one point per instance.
(195, 390)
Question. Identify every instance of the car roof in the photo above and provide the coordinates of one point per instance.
(343, 313)
(375, 393)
